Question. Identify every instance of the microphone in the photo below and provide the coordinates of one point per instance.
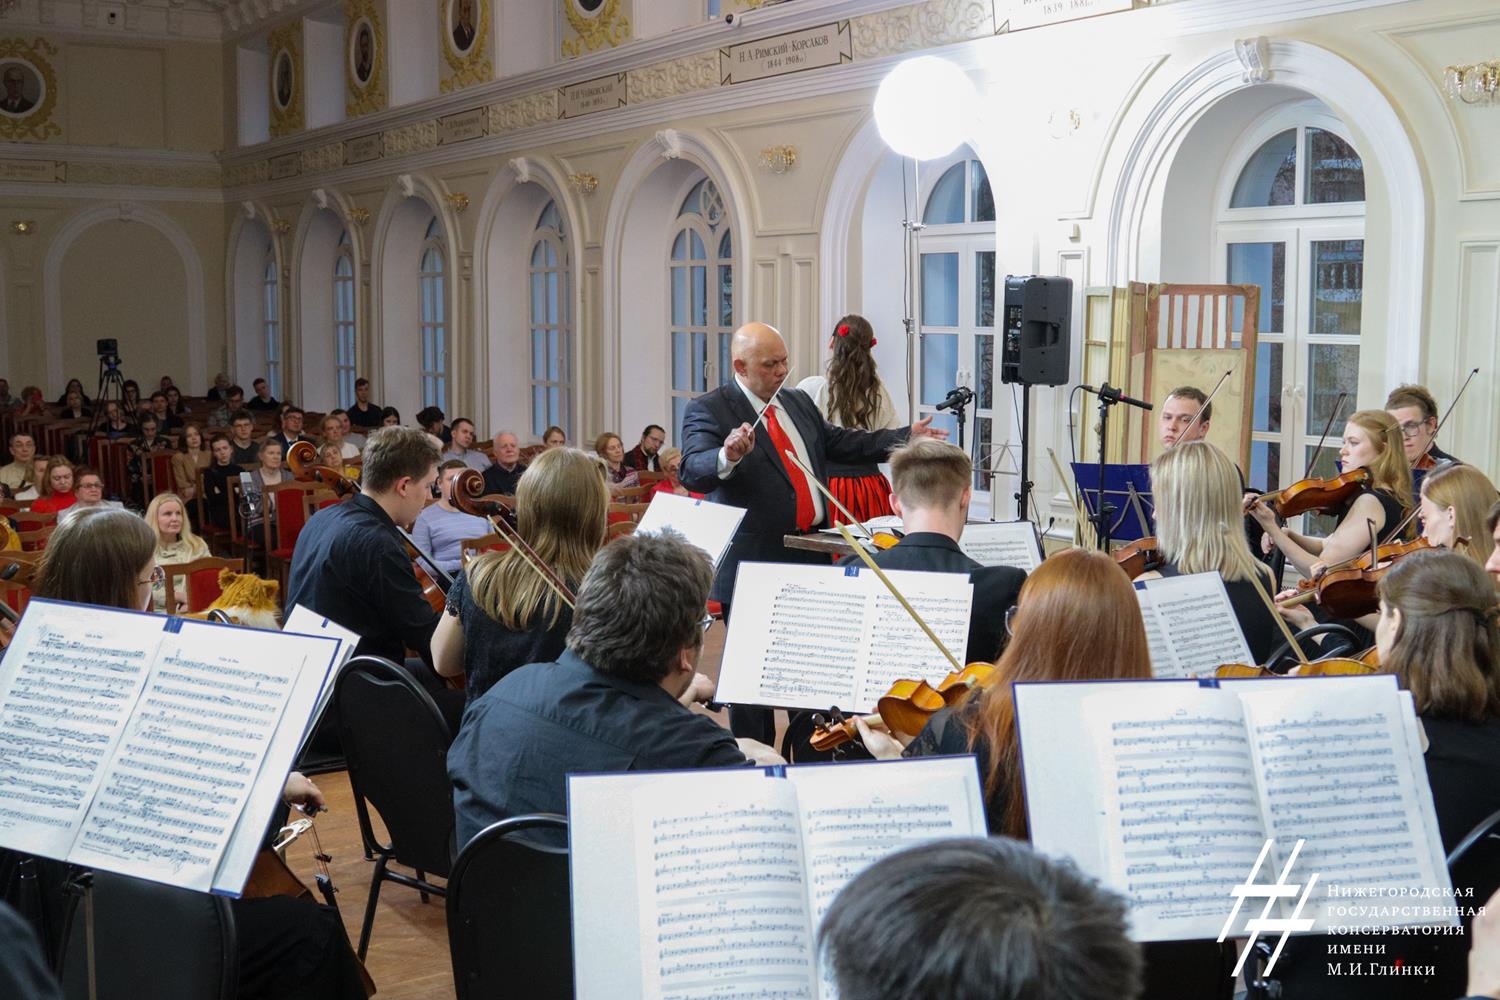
(957, 396)
(1115, 395)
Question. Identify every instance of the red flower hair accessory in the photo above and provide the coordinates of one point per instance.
(843, 330)
(873, 341)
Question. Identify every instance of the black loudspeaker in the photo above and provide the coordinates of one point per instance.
(1038, 322)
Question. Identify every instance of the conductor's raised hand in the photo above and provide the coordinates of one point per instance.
(923, 428)
(739, 442)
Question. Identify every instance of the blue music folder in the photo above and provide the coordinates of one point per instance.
(1127, 524)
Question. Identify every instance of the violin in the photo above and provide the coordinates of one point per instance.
(1367, 662)
(1141, 556)
(908, 704)
(1316, 494)
(1349, 589)
(302, 459)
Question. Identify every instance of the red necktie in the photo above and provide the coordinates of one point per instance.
(799, 481)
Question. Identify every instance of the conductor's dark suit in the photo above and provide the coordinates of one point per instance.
(759, 483)
(995, 587)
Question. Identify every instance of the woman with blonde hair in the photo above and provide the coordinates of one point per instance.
(1200, 529)
(176, 543)
(611, 449)
(501, 614)
(1454, 503)
(1372, 441)
(671, 467)
(852, 395)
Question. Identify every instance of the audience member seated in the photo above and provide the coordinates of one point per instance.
(271, 472)
(555, 437)
(175, 544)
(192, 454)
(430, 419)
(242, 438)
(116, 425)
(130, 392)
(73, 386)
(57, 487)
(88, 487)
(671, 465)
(616, 700)
(463, 446)
(969, 919)
(73, 407)
(332, 456)
(501, 614)
(441, 527)
(7, 401)
(149, 440)
(505, 473)
(219, 391)
(619, 476)
(17, 475)
(32, 404)
(332, 430)
(33, 488)
(291, 428)
(363, 413)
(350, 435)
(262, 400)
(644, 456)
(166, 420)
(390, 417)
(216, 477)
(175, 405)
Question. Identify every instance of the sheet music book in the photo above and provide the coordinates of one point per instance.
(818, 636)
(305, 621)
(710, 884)
(1003, 543)
(710, 526)
(150, 746)
(1190, 625)
(1167, 791)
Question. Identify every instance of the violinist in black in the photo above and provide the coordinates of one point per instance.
(1372, 441)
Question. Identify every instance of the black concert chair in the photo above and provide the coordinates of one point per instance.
(150, 940)
(395, 741)
(508, 909)
(1345, 643)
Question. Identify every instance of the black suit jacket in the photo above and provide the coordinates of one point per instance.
(759, 483)
(995, 587)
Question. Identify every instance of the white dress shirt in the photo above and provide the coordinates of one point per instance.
(788, 425)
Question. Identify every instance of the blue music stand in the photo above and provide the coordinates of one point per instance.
(1125, 525)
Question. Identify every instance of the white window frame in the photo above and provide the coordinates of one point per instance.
(709, 355)
(345, 342)
(551, 342)
(432, 317)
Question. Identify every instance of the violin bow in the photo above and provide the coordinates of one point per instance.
(811, 478)
(439, 576)
(462, 495)
(772, 401)
(1265, 595)
(1199, 415)
(1338, 405)
(1085, 526)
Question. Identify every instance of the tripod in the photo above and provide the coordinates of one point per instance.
(111, 386)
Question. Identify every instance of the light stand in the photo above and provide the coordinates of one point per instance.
(910, 229)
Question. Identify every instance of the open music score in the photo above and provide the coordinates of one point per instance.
(1166, 791)
(711, 884)
(150, 746)
(1003, 543)
(710, 526)
(818, 636)
(1190, 625)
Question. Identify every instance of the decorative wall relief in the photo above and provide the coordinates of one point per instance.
(288, 108)
(590, 25)
(364, 58)
(466, 34)
(28, 90)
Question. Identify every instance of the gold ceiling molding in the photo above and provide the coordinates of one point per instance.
(287, 85)
(364, 52)
(28, 117)
(466, 48)
(606, 27)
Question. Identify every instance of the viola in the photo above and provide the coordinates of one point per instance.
(908, 704)
(1141, 556)
(1367, 662)
(1349, 590)
(1317, 494)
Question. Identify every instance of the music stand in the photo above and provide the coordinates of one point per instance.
(1123, 522)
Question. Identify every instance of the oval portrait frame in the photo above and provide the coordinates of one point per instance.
(37, 79)
(449, 10)
(363, 24)
(283, 56)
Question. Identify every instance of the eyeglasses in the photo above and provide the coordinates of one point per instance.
(1410, 427)
(158, 576)
(1010, 616)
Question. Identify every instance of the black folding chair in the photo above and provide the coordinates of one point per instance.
(509, 910)
(150, 940)
(396, 741)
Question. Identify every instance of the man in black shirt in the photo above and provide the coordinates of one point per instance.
(350, 563)
(505, 473)
(166, 420)
(291, 430)
(616, 700)
(364, 413)
(242, 439)
(644, 457)
(263, 400)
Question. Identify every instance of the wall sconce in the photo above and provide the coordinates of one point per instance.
(459, 201)
(23, 227)
(359, 216)
(1476, 83)
(584, 183)
(778, 159)
(281, 226)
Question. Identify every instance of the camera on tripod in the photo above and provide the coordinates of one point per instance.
(108, 349)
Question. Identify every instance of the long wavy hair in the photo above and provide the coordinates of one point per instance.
(1390, 471)
(853, 383)
(562, 510)
(1199, 519)
(1053, 641)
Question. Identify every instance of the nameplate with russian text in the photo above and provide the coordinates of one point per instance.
(1035, 13)
(363, 149)
(793, 52)
(286, 165)
(34, 171)
(603, 94)
(461, 127)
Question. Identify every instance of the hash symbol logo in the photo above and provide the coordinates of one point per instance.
(1270, 893)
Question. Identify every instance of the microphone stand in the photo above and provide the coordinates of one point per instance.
(1102, 510)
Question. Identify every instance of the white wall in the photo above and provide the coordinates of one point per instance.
(324, 59)
(318, 389)
(412, 34)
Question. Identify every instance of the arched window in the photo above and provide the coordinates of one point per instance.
(551, 355)
(701, 265)
(343, 321)
(957, 296)
(434, 319)
(1291, 219)
(270, 301)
